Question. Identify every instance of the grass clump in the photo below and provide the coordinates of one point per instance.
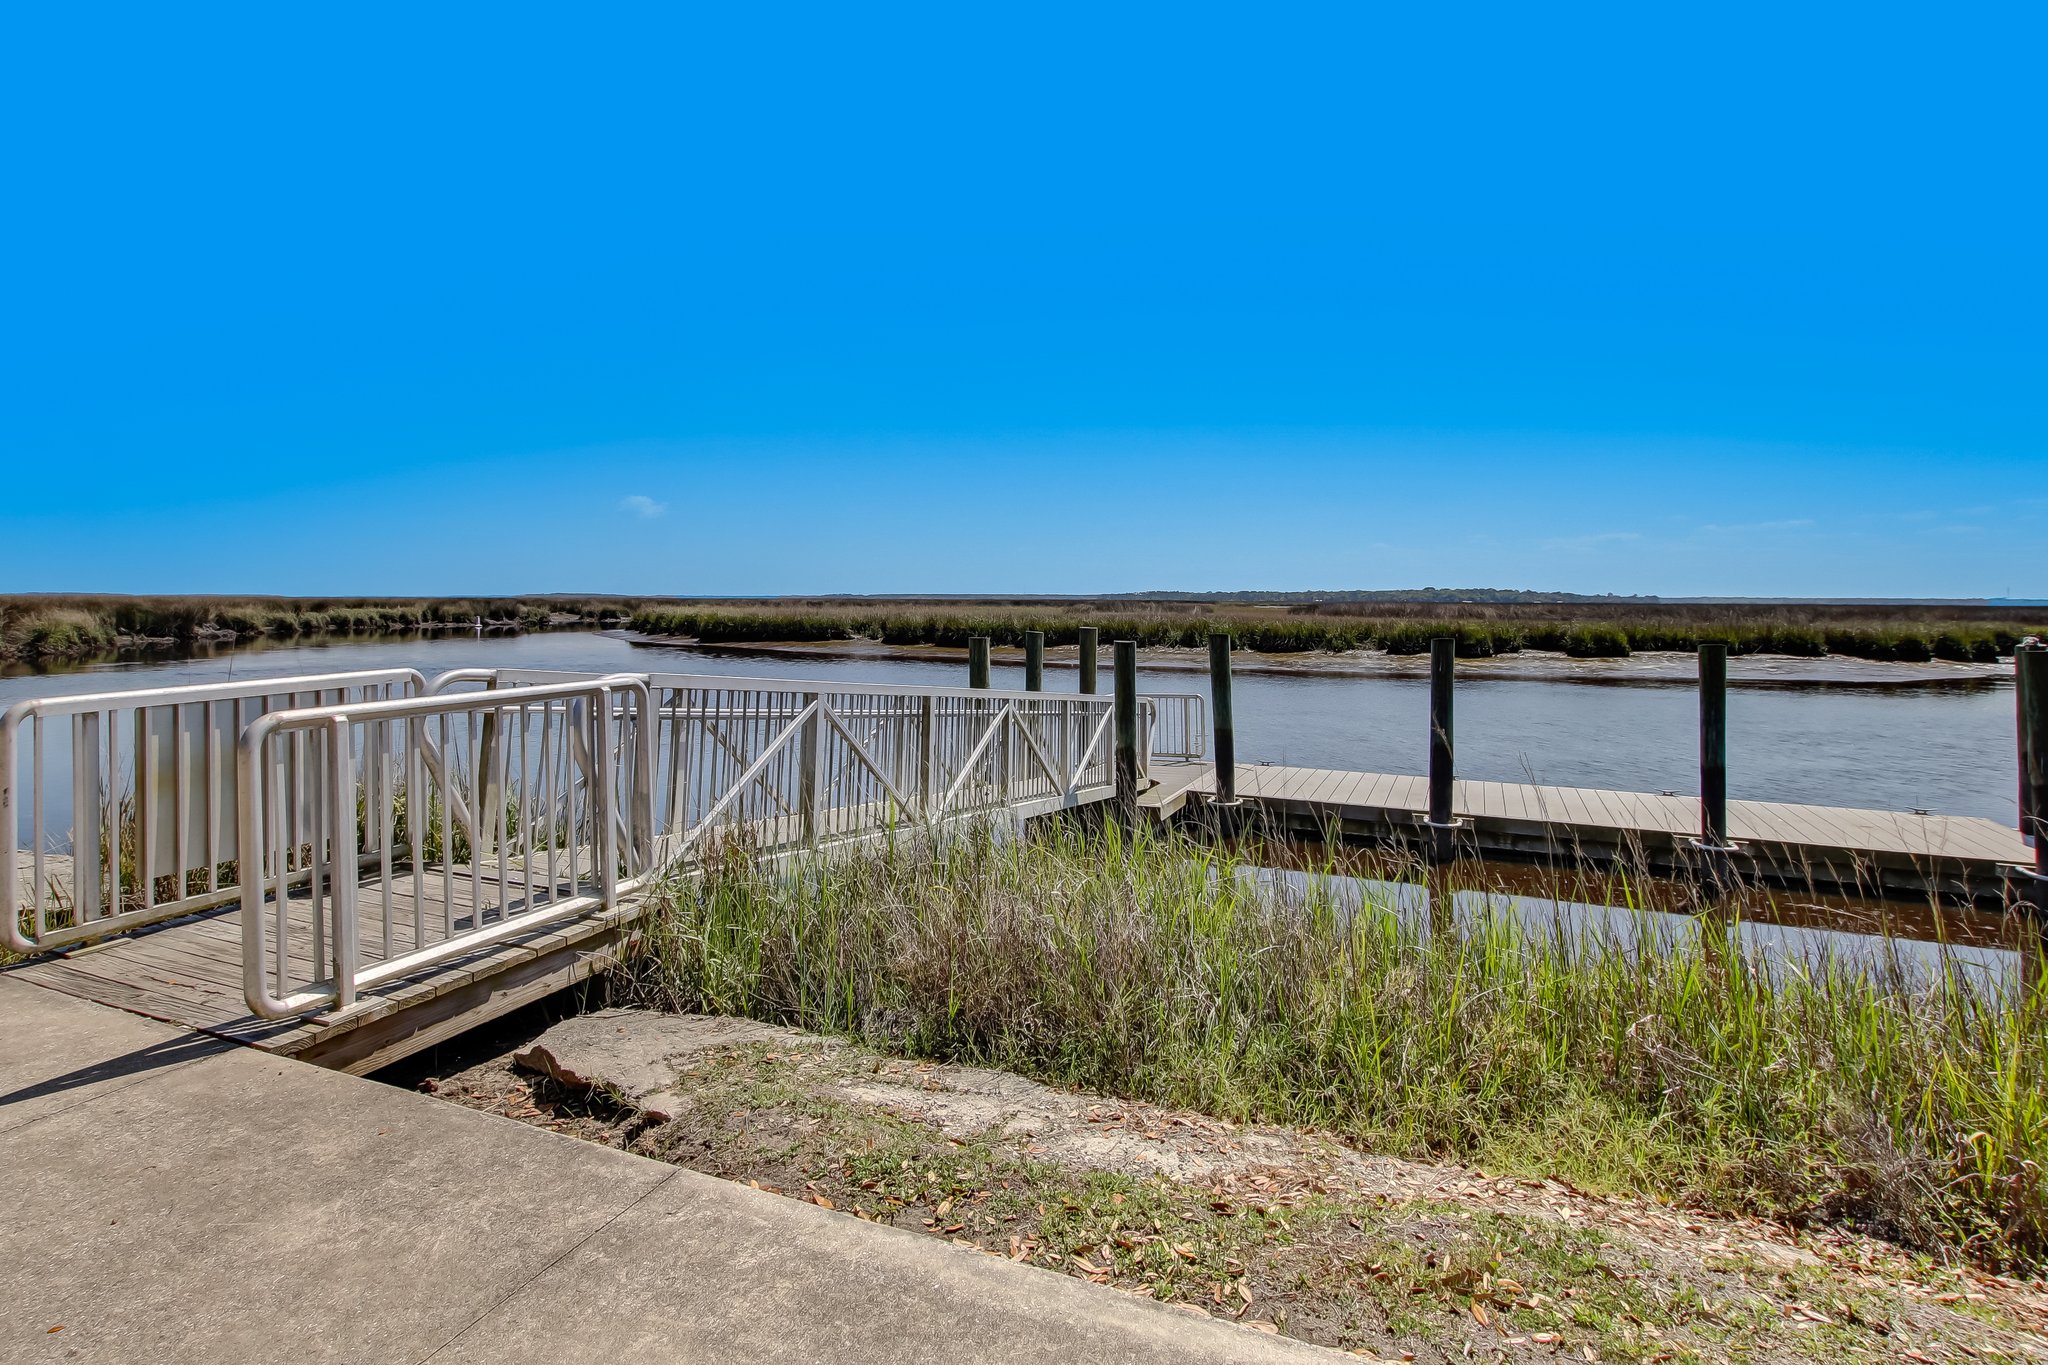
(1910, 1105)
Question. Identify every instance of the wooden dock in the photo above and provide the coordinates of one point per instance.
(188, 972)
(1832, 847)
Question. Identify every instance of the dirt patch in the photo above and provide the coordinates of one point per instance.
(1279, 1228)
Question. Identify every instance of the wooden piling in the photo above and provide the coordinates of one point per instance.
(2020, 690)
(1034, 661)
(1441, 841)
(977, 662)
(2030, 664)
(1126, 708)
(1442, 660)
(1090, 637)
(1225, 725)
(1714, 745)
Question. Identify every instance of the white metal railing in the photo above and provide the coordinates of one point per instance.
(434, 825)
(1177, 727)
(781, 764)
(373, 825)
(126, 800)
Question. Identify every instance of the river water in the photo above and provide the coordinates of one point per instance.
(1942, 748)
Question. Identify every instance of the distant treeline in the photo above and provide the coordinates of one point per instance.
(72, 627)
(1905, 633)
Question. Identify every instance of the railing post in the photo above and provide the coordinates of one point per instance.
(1089, 637)
(344, 875)
(1034, 661)
(927, 748)
(1714, 746)
(2030, 665)
(1126, 704)
(604, 836)
(810, 775)
(646, 756)
(977, 662)
(1222, 718)
(1442, 826)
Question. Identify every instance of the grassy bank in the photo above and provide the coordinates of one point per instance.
(1152, 970)
(1481, 629)
(71, 627)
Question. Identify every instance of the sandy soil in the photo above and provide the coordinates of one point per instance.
(1283, 1229)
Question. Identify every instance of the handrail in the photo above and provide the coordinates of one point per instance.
(372, 836)
(542, 808)
(135, 854)
(738, 683)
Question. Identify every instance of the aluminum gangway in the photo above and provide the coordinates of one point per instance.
(349, 866)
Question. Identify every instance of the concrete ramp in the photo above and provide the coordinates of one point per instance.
(182, 1199)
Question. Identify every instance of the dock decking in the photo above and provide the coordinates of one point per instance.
(1839, 846)
(189, 973)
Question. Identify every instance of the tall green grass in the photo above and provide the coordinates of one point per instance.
(1912, 1105)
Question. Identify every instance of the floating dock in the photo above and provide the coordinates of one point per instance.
(1832, 848)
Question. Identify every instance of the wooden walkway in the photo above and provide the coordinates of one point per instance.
(1841, 847)
(189, 972)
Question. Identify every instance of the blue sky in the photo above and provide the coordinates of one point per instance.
(762, 299)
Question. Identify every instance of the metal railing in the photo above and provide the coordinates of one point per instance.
(780, 764)
(374, 825)
(432, 826)
(1178, 727)
(127, 800)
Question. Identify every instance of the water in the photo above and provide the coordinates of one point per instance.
(1947, 750)
(1981, 950)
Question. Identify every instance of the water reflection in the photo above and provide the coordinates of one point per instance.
(1991, 954)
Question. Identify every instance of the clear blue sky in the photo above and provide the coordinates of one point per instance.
(762, 299)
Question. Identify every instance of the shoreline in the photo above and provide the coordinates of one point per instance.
(1645, 669)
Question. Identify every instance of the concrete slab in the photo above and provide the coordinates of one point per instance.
(245, 1208)
(706, 1271)
(176, 1199)
(57, 1052)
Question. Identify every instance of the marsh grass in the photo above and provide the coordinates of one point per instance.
(1904, 1103)
(68, 627)
(44, 627)
(1904, 633)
